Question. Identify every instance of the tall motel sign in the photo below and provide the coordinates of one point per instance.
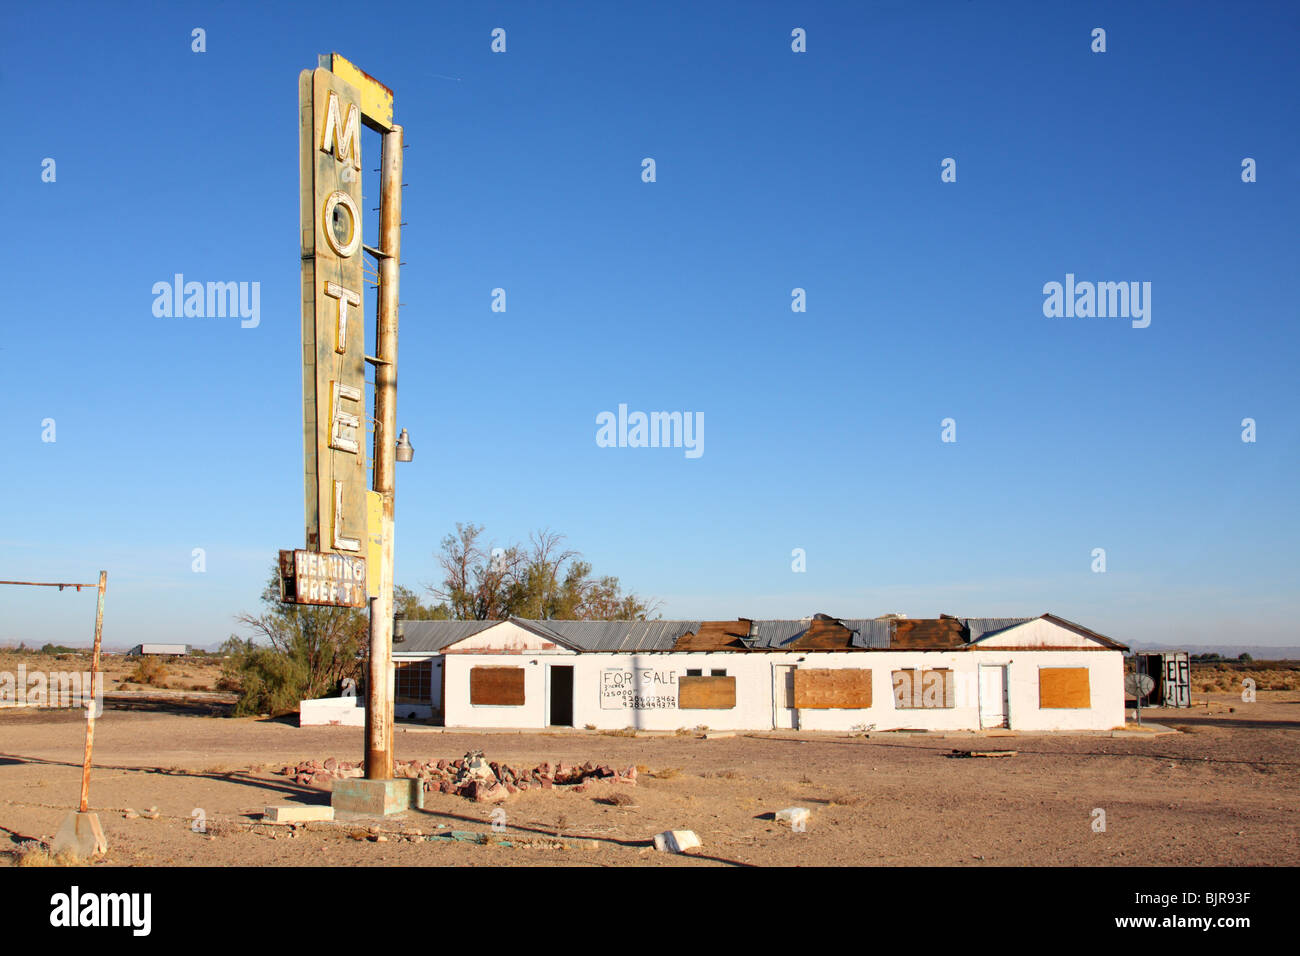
(348, 558)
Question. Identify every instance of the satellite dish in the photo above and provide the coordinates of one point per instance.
(1138, 685)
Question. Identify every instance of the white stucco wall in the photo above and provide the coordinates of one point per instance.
(754, 690)
(1017, 649)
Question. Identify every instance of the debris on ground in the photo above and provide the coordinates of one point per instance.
(676, 841)
(793, 816)
(984, 753)
(471, 776)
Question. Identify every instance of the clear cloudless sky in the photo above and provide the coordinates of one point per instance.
(775, 170)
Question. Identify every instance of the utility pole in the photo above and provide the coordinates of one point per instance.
(380, 689)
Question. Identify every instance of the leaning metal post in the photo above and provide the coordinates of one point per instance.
(91, 704)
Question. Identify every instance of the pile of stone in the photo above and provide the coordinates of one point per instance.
(322, 774)
(472, 776)
(487, 781)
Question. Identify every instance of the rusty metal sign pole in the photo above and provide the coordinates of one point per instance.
(94, 677)
(380, 686)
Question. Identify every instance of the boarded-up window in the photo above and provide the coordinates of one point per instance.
(922, 689)
(414, 680)
(1063, 687)
(832, 688)
(496, 686)
(706, 693)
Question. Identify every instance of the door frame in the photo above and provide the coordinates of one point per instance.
(1006, 695)
(777, 693)
(549, 715)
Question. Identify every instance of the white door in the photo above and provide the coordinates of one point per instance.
(993, 695)
(784, 716)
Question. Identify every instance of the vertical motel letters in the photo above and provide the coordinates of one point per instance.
(333, 339)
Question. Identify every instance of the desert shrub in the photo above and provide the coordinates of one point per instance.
(148, 670)
(311, 651)
(268, 681)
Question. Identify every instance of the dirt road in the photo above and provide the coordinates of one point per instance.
(1224, 791)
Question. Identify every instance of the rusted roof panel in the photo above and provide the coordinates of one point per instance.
(716, 636)
(823, 635)
(928, 634)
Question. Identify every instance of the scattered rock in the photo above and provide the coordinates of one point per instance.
(676, 841)
(793, 816)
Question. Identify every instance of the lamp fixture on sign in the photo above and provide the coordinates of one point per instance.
(404, 450)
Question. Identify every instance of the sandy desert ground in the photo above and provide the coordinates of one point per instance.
(1223, 791)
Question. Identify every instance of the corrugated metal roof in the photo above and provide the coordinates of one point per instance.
(873, 634)
(983, 626)
(622, 635)
(435, 635)
(770, 635)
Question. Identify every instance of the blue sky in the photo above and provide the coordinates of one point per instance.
(774, 170)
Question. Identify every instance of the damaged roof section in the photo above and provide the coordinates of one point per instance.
(717, 636)
(942, 633)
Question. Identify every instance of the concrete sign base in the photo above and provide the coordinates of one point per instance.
(377, 797)
(81, 836)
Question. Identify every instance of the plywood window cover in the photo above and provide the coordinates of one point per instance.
(842, 688)
(496, 686)
(706, 693)
(922, 688)
(1064, 688)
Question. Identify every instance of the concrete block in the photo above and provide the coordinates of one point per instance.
(81, 836)
(676, 841)
(340, 711)
(298, 813)
(793, 816)
(377, 797)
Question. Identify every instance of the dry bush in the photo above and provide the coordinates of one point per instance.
(846, 799)
(33, 853)
(625, 732)
(150, 671)
(618, 799)
(723, 774)
(667, 773)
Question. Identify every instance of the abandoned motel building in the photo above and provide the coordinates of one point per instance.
(820, 673)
